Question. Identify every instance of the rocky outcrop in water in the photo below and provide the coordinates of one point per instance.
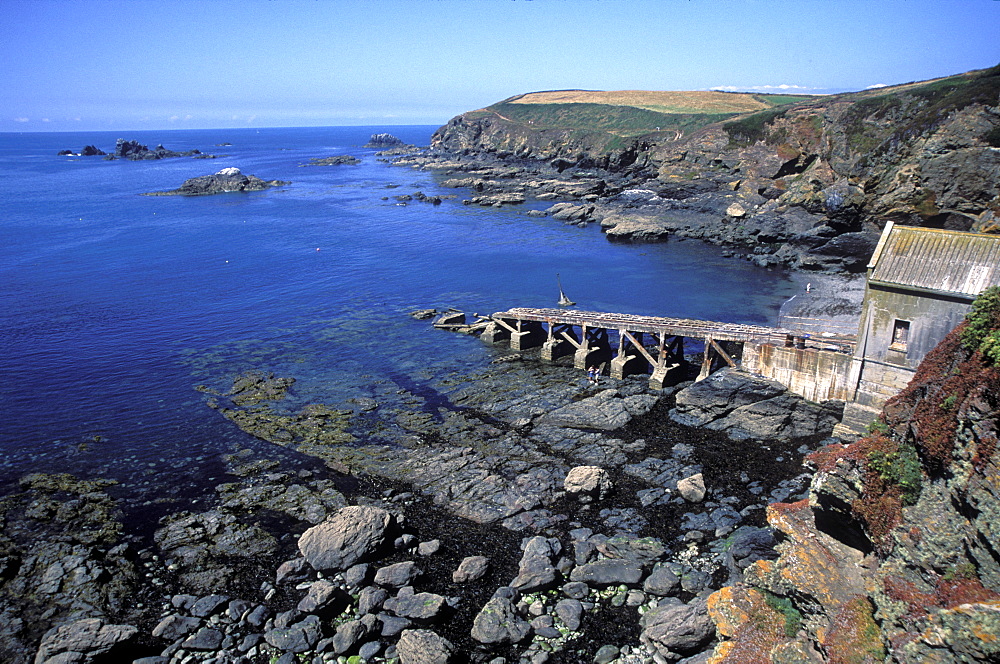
(87, 151)
(336, 160)
(136, 151)
(225, 181)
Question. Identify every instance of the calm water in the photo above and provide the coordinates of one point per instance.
(114, 306)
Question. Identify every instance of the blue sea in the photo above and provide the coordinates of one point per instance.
(115, 306)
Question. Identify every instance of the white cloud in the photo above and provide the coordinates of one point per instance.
(173, 118)
(784, 87)
(876, 86)
(46, 120)
(21, 120)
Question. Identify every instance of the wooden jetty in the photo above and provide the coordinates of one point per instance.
(589, 336)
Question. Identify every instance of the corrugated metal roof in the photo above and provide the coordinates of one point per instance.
(949, 261)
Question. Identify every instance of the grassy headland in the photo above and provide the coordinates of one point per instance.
(631, 113)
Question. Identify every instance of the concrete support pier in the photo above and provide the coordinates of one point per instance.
(594, 349)
(626, 363)
(528, 334)
(561, 341)
(495, 333)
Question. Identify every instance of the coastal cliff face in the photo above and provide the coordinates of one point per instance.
(893, 556)
(805, 185)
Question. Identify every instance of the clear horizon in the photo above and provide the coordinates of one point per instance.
(95, 65)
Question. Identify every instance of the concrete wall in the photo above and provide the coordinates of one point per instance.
(931, 318)
(817, 375)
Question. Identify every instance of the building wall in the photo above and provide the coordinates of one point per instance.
(931, 318)
(817, 375)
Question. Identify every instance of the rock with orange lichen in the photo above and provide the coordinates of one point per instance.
(821, 569)
(966, 633)
(854, 637)
(742, 615)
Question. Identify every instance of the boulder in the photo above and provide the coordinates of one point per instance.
(720, 394)
(422, 646)
(321, 594)
(354, 534)
(677, 630)
(297, 637)
(536, 571)
(397, 575)
(498, 622)
(661, 582)
(692, 488)
(175, 626)
(204, 639)
(416, 606)
(587, 483)
(608, 572)
(471, 568)
(351, 634)
(629, 228)
(570, 612)
(83, 641)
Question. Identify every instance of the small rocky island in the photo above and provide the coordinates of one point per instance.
(390, 146)
(225, 181)
(336, 160)
(134, 151)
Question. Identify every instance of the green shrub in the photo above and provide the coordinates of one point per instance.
(982, 325)
(878, 426)
(899, 467)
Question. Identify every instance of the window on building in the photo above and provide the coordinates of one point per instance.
(900, 334)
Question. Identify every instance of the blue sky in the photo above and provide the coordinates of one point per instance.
(88, 65)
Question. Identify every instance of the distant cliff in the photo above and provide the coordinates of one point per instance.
(920, 154)
(893, 557)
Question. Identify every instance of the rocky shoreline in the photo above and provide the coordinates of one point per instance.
(635, 206)
(515, 515)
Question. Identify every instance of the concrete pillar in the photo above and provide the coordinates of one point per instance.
(666, 375)
(625, 365)
(495, 334)
(529, 335)
(554, 348)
